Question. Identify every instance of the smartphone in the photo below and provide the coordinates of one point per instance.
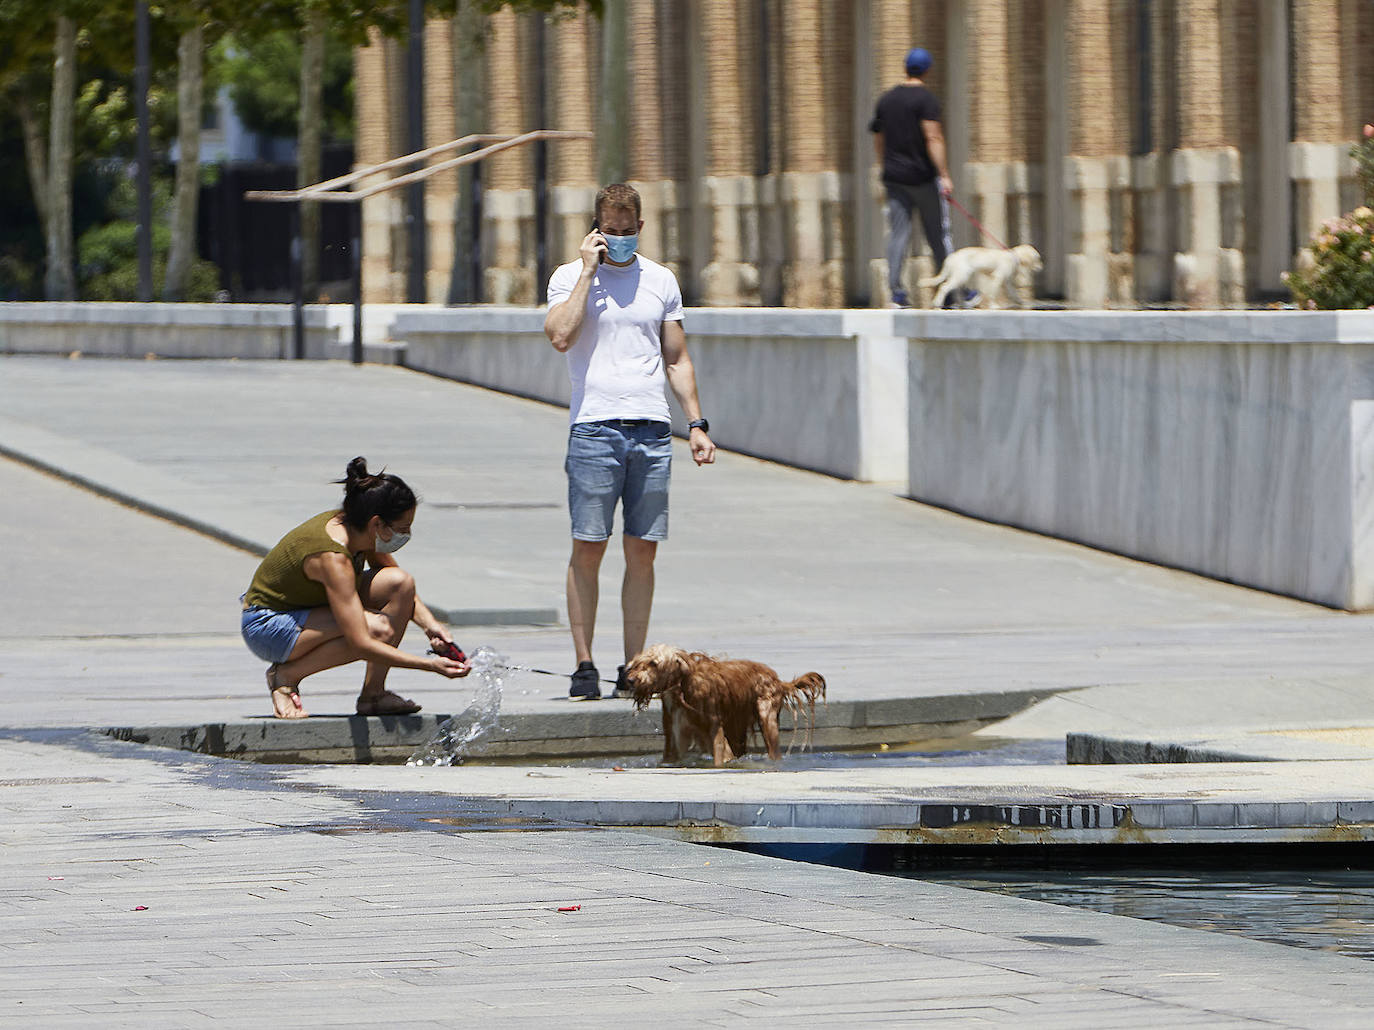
(596, 227)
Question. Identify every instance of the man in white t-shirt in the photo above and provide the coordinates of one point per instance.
(618, 317)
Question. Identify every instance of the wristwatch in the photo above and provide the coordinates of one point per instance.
(699, 423)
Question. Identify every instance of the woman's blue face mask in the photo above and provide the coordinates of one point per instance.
(621, 248)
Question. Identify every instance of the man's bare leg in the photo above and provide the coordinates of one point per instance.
(637, 592)
(584, 568)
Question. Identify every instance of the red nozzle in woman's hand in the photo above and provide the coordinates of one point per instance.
(448, 649)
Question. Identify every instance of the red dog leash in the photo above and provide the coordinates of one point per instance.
(977, 224)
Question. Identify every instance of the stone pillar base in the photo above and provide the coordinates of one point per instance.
(1198, 177)
(731, 283)
(1087, 282)
(913, 271)
(1317, 170)
(509, 286)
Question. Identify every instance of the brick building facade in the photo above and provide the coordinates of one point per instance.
(1153, 150)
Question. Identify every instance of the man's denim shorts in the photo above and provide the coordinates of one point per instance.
(625, 460)
(272, 635)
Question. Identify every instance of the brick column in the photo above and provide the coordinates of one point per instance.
(1204, 163)
(508, 178)
(1090, 100)
(645, 152)
(727, 278)
(1317, 155)
(987, 60)
(377, 76)
(1025, 149)
(816, 125)
(573, 54)
(441, 189)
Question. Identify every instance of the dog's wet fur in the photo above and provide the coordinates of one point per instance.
(710, 705)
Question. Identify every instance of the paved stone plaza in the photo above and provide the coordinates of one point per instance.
(145, 886)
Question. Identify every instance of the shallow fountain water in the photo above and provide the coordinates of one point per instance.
(458, 735)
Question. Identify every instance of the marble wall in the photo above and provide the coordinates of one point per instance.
(163, 330)
(1240, 447)
(822, 390)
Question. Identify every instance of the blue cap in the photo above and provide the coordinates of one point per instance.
(918, 61)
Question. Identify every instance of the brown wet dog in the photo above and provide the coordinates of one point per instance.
(710, 705)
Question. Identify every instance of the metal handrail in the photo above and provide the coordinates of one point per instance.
(329, 191)
(321, 191)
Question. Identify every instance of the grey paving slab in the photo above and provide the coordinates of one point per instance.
(313, 928)
(342, 900)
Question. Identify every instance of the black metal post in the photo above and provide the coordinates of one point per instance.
(541, 163)
(356, 258)
(764, 163)
(1144, 83)
(144, 153)
(475, 257)
(297, 284)
(415, 132)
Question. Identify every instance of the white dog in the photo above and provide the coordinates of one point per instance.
(990, 272)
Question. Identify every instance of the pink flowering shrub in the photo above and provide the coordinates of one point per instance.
(1336, 270)
(1363, 153)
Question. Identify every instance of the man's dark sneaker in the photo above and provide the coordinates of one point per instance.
(584, 683)
(622, 685)
(900, 299)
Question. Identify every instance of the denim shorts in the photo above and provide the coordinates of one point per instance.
(272, 635)
(625, 460)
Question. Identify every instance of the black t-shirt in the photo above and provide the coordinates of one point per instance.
(899, 115)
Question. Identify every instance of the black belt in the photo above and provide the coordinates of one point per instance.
(630, 422)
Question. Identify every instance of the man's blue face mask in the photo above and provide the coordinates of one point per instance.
(621, 248)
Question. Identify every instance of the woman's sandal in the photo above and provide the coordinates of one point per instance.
(288, 694)
(387, 703)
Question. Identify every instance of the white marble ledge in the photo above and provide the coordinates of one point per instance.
(1248, 327)
(53, 313)
(1244, 327)
(467, 318)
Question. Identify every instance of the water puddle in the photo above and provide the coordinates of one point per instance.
(1317, 896)
(460, 735)
(1327, 910)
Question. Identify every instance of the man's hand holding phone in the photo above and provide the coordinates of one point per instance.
(593, 249)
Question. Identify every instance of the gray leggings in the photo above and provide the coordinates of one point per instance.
(934, 212)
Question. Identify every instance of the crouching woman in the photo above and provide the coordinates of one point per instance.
(311, 605)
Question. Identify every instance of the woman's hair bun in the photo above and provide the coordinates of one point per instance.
(356, 474)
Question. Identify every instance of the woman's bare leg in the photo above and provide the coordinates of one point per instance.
(389, 592)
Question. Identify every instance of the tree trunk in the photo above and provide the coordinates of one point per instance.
(309, 140)
(59, 282)
(470, 116)
(35, 156)
(190, 87)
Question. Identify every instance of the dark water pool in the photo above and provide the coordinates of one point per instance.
(1318, 896)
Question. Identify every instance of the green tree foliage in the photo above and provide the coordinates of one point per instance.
(263, 75)
(107, 254)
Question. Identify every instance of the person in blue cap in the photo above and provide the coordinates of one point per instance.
(910, 143)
